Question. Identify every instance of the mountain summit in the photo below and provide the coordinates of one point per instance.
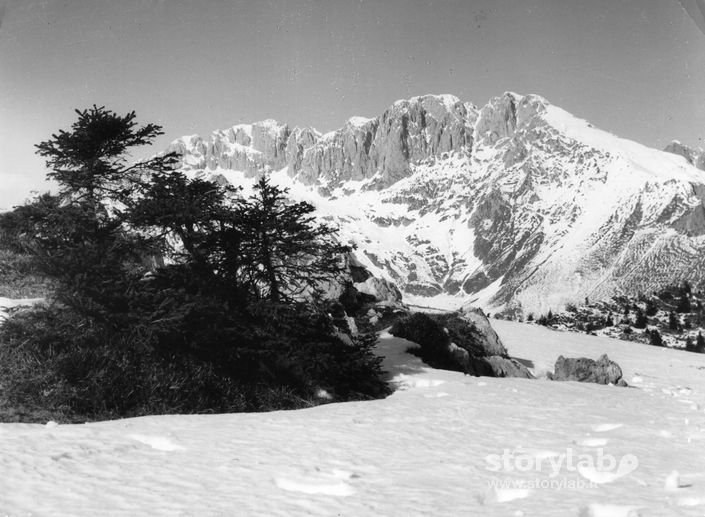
(515, 205)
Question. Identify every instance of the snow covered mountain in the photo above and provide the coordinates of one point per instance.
(517, 204)
(694, 156)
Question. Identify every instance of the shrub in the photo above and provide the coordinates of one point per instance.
(19, 277)
(55, 362)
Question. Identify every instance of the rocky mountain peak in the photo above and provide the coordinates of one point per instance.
(516, 205)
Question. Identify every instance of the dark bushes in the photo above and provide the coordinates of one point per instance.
(218, 326)
(53, 362)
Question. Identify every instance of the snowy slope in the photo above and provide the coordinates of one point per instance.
(517, 205)
(425, 450)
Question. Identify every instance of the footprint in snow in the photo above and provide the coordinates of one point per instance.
(627, 464)
(409, 381)
(504, 495)
(609, 510)
(592, 442)
(340, 488)
(603, 428)
(691, 501)
(159, 443)
(438, 395)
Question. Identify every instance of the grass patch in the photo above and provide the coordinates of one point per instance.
(19, 278)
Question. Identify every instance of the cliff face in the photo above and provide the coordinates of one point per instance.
(515, 204)
(408, 132)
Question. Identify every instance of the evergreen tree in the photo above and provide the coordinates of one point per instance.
(686, 288)
(285, 251)
(641, 320)
(683, 304)
(80, 238)
(89, 162)
(655, 338)
(700, 344)
(672, 321)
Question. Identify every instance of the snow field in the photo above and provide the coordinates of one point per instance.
(421, 451)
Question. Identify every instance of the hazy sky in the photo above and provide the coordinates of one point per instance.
(633, 67)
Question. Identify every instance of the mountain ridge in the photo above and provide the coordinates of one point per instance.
(515, 205)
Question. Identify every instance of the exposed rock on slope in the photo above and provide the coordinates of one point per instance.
(462, 342)
(694, 157)
(517, 205)
(407, 133)
(582, 369)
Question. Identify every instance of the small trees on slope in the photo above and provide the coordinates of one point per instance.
(220, 321)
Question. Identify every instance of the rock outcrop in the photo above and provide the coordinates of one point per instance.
(583, 369)
(693, 156)
(383, 148)
(460, 343)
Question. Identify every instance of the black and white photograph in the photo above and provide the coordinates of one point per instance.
(352, 258)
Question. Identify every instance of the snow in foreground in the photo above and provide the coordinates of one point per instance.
(432, 448)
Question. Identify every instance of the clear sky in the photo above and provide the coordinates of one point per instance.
(633, 67)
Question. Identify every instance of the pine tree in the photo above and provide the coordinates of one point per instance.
(89, 162)
(700, 344)
(686, 288)
(286, 252)
(80, 238)
(683, 304)
(656, 339)
(672, 321)
(641, 320)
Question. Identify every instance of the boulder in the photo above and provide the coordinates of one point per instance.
(583, 369)
(508, 367)
(485, 334)
(353, 300)
(462, 342)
